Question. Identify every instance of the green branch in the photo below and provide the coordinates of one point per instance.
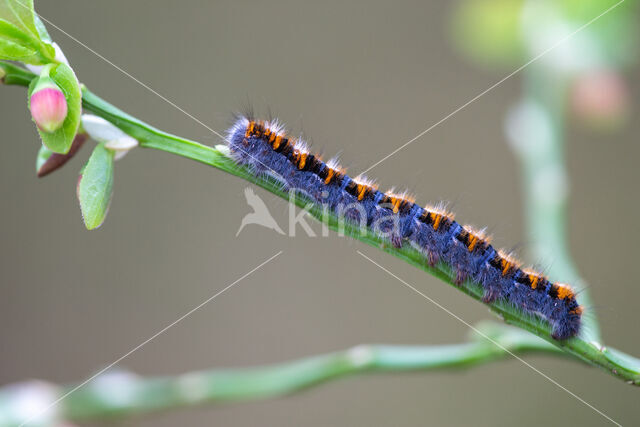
(592, 352)
(119, 393)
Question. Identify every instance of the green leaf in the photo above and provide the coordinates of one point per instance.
(13, 50)
(15, 44)
(23, 36)
(95, 187)
(19, 13)
(60, 141)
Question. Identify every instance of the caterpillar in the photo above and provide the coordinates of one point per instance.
(266, 149)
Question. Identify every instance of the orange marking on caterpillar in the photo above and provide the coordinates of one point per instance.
(250, 128)
(276, 143)
(330, 173)
(564, 291)
(473, 241)
(437, 214)
(475, 238)
(303, 161)
(506, 266)
(395, 202)
(362, 189)
(507, 263)
(436, 219)
(578, 310)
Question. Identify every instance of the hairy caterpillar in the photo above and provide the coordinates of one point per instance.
(265, 148)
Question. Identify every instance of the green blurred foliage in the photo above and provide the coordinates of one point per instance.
(502, 33)
(488, 31)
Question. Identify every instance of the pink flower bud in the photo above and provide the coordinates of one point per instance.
(48, 108)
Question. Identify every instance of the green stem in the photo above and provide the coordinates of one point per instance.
(120, 394)
(616, 363)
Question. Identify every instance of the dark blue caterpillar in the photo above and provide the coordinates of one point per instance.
(266, 149)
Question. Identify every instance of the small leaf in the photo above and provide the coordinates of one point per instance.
(95, 187)
(60, 140)
(22, 34)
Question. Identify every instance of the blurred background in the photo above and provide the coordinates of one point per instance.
(358, 79)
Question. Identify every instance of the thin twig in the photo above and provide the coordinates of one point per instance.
(120, 393)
